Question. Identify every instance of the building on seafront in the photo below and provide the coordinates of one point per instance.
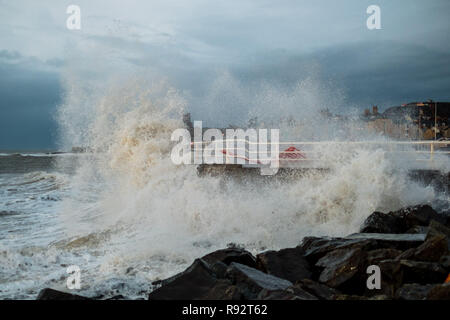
(412, 121)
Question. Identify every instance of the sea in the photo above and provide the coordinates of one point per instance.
(125, 216)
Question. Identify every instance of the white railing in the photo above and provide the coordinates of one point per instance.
(422, 147)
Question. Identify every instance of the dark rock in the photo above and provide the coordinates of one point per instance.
(291, 293)
(223, 290)
(193, 283)
(117, 297)
(400, 221)
(419, 216)
(317, 289)
(391, 240)
(219, 269)
(287, 264)
(391, 276)
(435, 229)
(251, 281)
(349, 297)
(275, 295)
(375, 256)
(340, 266)
(440, 292)
(445, 262)
(432, 250)
(379, 222)
(418, 229)
(229, 255)
(413, 291)
(380, 297)
(406, 255)
(422, 272)
(315, 248)
(51, 294)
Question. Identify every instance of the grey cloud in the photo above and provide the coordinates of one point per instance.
(9, 55)
(28, 99)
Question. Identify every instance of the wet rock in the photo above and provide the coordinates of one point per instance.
(317, 289)
(275, 295)
(340, 266)
(445, 262)
(51, 294)
(251, 281)
(422, 272)
(291, 293)
(117, 297)
(223, 290)
(379, 222)
(315, 248)
(419, 216)
(349, 297)
(433, 249)
(219, 269)
(380, 297)
(390, 240)
(440, 292)
(413, 291)
(193, 283)
(435, 229)
(418, 229)
(400, 221)
(229, 255)
(391, 276)
(406, 255)
(287, 264)
(377, 255)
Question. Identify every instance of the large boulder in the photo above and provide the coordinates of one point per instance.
(223, 290)
(391, 277)
(436, 228)
(315, 247)
(51, 294)
(340, 266)
(445, 262)
(400, 221)
(377, 255)
(288, 264)
(291, 293)
(413, 291)
(422, 272)
(390, 240)
(440, 292)
(229, 255)
(432, 250)
(317, 289)
(252, 281)
(196, 282)
(379, 222)
(419, 216)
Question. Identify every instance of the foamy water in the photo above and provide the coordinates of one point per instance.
(126, 215)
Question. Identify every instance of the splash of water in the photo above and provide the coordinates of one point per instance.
(153, 208)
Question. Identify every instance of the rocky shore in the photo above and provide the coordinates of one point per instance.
(409, 248)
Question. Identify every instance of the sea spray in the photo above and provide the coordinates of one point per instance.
(159, 216)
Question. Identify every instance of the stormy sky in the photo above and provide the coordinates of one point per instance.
(189, 41)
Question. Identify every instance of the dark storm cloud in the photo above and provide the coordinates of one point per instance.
(28, 98)
(383, 73)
